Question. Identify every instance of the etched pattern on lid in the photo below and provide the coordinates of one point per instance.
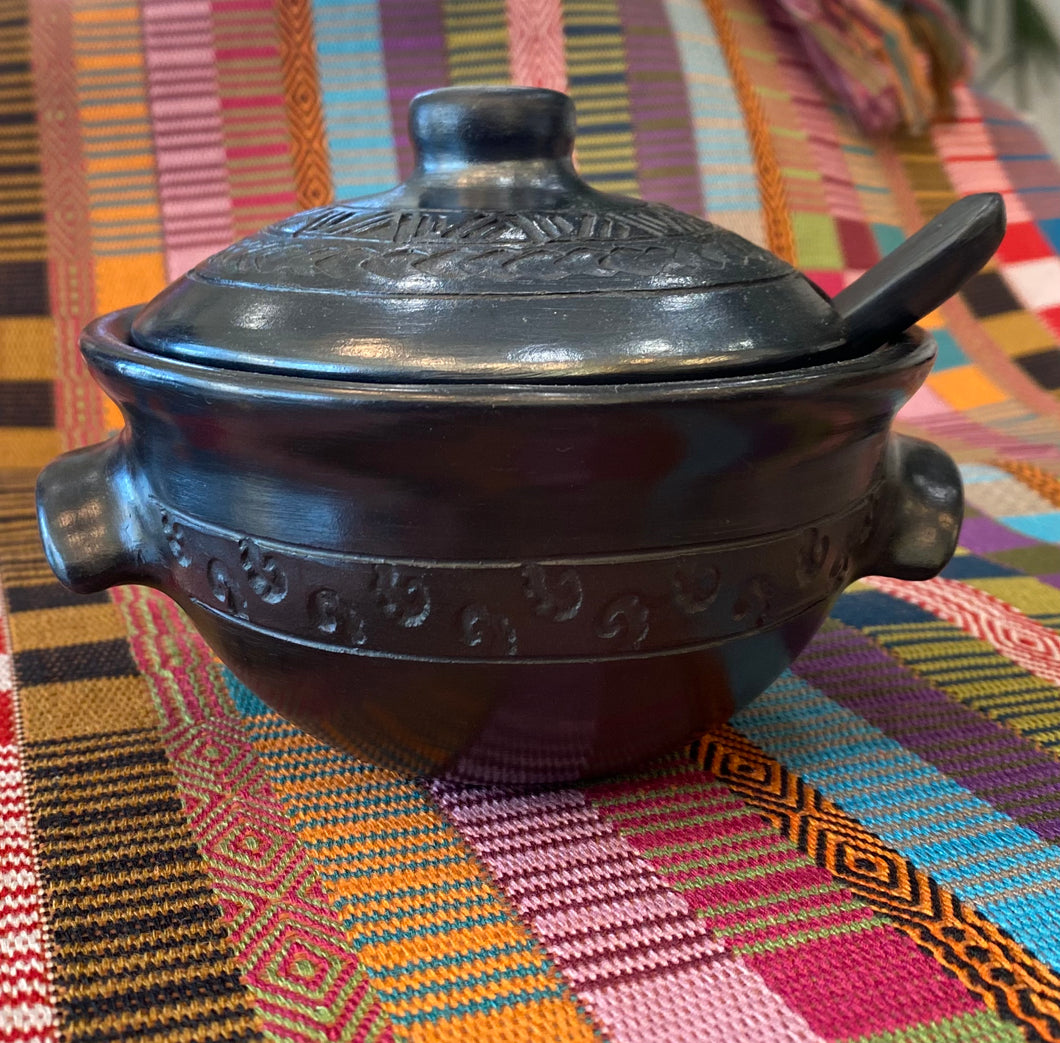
(494, 261)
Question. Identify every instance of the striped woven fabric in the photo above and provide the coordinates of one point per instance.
(870, 852)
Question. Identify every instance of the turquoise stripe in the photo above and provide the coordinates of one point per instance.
(888, 237)
(979, 854)
(468, 908)
(345, 48)
(498, 974)
(711, 97)
(455, 959)
(249, 705)
(372, 141)
(372, 858)
(508, 999)
(950, 354)
(976, 473)
(354, 95)
(382, 834)
(379, 812)
(1044, 527)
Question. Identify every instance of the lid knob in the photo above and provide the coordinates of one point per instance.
(457, 126)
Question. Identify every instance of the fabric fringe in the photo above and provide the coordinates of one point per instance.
(892, 64)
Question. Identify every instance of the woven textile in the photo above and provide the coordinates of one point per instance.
(871, 851)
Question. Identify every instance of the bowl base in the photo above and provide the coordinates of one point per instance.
(520, 722)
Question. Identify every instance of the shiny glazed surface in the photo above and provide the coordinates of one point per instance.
(433, 578)
(499, 477)
(493, 262)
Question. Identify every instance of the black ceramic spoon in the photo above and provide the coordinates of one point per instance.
(922, 273)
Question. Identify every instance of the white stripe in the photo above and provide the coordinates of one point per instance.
(29, 919)
(26, 1016)
(11, 945)
(17, 879)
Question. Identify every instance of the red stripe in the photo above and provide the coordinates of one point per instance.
(252, 102)
(828, 980)
(253, 113)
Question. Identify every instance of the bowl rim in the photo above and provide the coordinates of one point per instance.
(106, 346)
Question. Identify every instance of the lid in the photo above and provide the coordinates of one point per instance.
(493, 262)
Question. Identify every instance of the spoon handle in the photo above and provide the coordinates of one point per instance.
(927, 269)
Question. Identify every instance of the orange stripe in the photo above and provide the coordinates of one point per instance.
(780, 235)
(305, 114)
(450, 917)
(1041, 481)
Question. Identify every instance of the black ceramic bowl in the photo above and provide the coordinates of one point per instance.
(498, 477)
(499, 582)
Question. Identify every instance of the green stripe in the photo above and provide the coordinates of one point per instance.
(766, 900)
(705, 843)
(806, 916)
(789, 941)
(981, 1026)
(676, 821)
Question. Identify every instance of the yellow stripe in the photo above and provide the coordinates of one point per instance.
(77, 708)
(28, 446)
(75, 625)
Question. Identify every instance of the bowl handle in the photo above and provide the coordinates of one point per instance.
(920, 512)
(89, 518)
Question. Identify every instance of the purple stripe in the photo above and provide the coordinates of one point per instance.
(415, 62)
(656, 93)
(986, 758)
(983, 535)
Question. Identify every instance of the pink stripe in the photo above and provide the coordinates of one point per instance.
(643, 964)
(828, 980)
(955, 425)
(535, 43)
(254, 116)
(187, 127)
(27, 1010)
